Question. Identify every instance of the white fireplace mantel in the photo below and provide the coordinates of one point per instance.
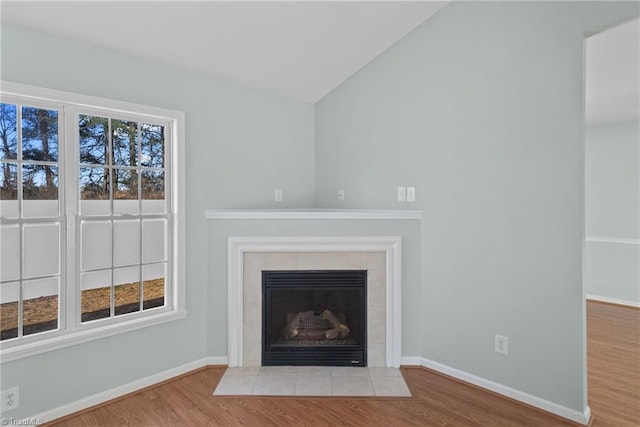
(357, 214)
(389, 245)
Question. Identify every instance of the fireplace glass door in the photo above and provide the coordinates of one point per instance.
(314, 318)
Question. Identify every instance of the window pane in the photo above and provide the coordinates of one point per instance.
(41, 252)
(95, 250)
(125, 149)
(154, 238)
(94, 141)
(40, 305)
(151, 145)
(94, 191)
(127, 298)
(9, 252)
(126, 243)
(39, 134)
(39, 182)
(153, 277)
(9, 295)
(8, 131)
(95, 304)
(127, 290)
(152, 184)
(8, 181)
(95, 298)
(126, 184)
(94, 183)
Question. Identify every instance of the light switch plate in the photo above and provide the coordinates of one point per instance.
(402, 194)
(411, 194)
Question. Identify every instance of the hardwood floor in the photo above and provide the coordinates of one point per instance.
(613, 364)
(614, 395)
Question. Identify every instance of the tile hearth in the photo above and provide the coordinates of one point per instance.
(312, 381)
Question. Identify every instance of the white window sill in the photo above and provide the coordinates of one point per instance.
(8, 354)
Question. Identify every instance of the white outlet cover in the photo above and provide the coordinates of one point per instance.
(341, 195)
(15, 401)
(279, 195)
(501, 345)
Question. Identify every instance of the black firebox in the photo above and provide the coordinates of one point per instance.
(314, 318)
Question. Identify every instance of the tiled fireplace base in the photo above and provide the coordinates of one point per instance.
(312, 381)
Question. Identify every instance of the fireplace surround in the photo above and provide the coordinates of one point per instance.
(248, 257)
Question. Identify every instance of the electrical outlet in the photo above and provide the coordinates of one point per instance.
(279, 195)
(10, 399)
(501, 345)
(402, 194)
(341, 195)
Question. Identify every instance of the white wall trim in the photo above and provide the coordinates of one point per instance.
(116, 392)
(543, 404)
(82, 100)
(635, 304)
(217, 361)
(411, 361)
(237, 246)
(605, 239)
(314, 214)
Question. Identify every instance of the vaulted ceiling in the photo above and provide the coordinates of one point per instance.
(613, 74)
(301, 50)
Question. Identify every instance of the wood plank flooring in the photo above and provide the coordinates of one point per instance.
(614, 395)
(613, 364)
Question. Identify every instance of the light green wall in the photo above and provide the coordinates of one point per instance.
(612, 200)
(241, 144)
(612, 180)
(481, 109)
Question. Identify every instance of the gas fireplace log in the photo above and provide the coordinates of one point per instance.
(290, 317)
(342, 329)
(292, 330)
(332, 334)
(311, 334)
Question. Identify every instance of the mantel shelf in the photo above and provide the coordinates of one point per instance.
(314, 214)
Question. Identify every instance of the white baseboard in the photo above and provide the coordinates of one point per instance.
(114, 393)
(218, 360)
(545, 405)
(635, 304)
(411, 361)
(98, 398)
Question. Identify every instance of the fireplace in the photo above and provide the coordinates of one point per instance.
(314, 318)
(249, 257)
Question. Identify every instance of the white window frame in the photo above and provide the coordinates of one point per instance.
(70, 330)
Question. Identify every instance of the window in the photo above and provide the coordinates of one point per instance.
(31, 219)
(91, 207)
(124, 217)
